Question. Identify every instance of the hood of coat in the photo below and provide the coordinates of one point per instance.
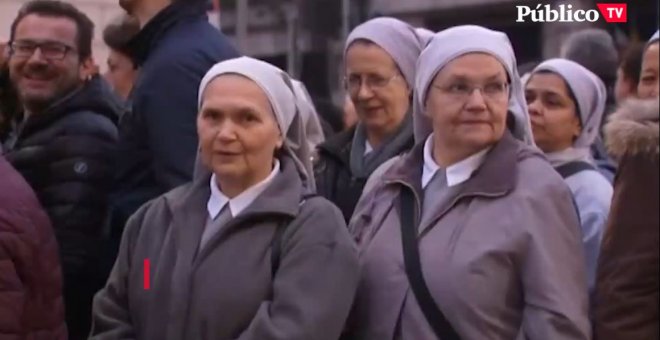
(633, 129)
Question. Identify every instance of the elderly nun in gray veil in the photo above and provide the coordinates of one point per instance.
(566, 104)
(245, 251)
(472, 234)
(379, 67)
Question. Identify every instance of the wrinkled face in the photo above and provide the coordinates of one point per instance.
(468, 103)
(624, 87)
(378, 90)
(553, 113)
(44, 64)
(121, 73)
(649, 80)
(237, 130)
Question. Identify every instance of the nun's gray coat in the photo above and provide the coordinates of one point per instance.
(503, 259)
(223, 292)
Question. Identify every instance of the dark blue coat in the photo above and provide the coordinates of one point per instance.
(158, 137)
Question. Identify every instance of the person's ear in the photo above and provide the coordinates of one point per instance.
(88, 68)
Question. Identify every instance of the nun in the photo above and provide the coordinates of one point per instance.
(566, 105)
(379, 60)
(628, 282)
(246, 251)
(472, 234)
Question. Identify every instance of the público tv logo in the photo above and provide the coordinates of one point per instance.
(564, 13)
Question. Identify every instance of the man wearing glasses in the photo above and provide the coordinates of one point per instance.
(65, 141)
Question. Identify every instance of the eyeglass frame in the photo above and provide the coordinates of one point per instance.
(39, 45)
(465, 96)
(365, 79)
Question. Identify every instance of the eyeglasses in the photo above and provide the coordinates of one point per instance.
(374, 82)
(49, 50)
(496, 91)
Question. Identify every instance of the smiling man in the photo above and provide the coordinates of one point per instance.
(64, 141)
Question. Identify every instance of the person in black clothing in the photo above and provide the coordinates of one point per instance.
(380, 58)
(65, 142)
(175, 47)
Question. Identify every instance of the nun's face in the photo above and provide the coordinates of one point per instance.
(649, 79)
(376, 87)
(553, 113)
(237, 130)
(468, 103)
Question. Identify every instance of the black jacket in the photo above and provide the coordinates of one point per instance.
(67, 155)
(332, 171)
(158, 137)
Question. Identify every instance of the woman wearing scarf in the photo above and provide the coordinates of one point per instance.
(566, 105)
(245, 251)
(380, 58)
(472, 234)
(628, 269)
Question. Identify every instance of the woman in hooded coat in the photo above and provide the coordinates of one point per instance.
(472, 234)
(246, 251)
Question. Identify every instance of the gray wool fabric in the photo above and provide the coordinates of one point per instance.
(397, 38)
(589, 92)
(454, 42)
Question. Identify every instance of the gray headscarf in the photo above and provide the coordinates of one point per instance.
(309, 116)
(397, 38)
(454, 42)
(278, 88)
(590, 94)
(401, 42)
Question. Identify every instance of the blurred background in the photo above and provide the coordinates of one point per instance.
(306, 37)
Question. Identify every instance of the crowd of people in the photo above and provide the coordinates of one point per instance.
(194, 193)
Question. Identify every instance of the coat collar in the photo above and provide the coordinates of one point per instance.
(146, 40)
(281, 197)
(495, 177)
(187, 207)
(633, 129)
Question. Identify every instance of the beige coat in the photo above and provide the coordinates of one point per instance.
(503, 259)
(224, 292)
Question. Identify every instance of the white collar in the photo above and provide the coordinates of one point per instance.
(218, 200)
(457, 173)
(367, 147)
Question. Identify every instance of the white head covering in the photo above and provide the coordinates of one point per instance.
(396, 37)
(425, 35)
(589, 92)
(654, 38)
(278, 87)
(309, 116)
(454, 42)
